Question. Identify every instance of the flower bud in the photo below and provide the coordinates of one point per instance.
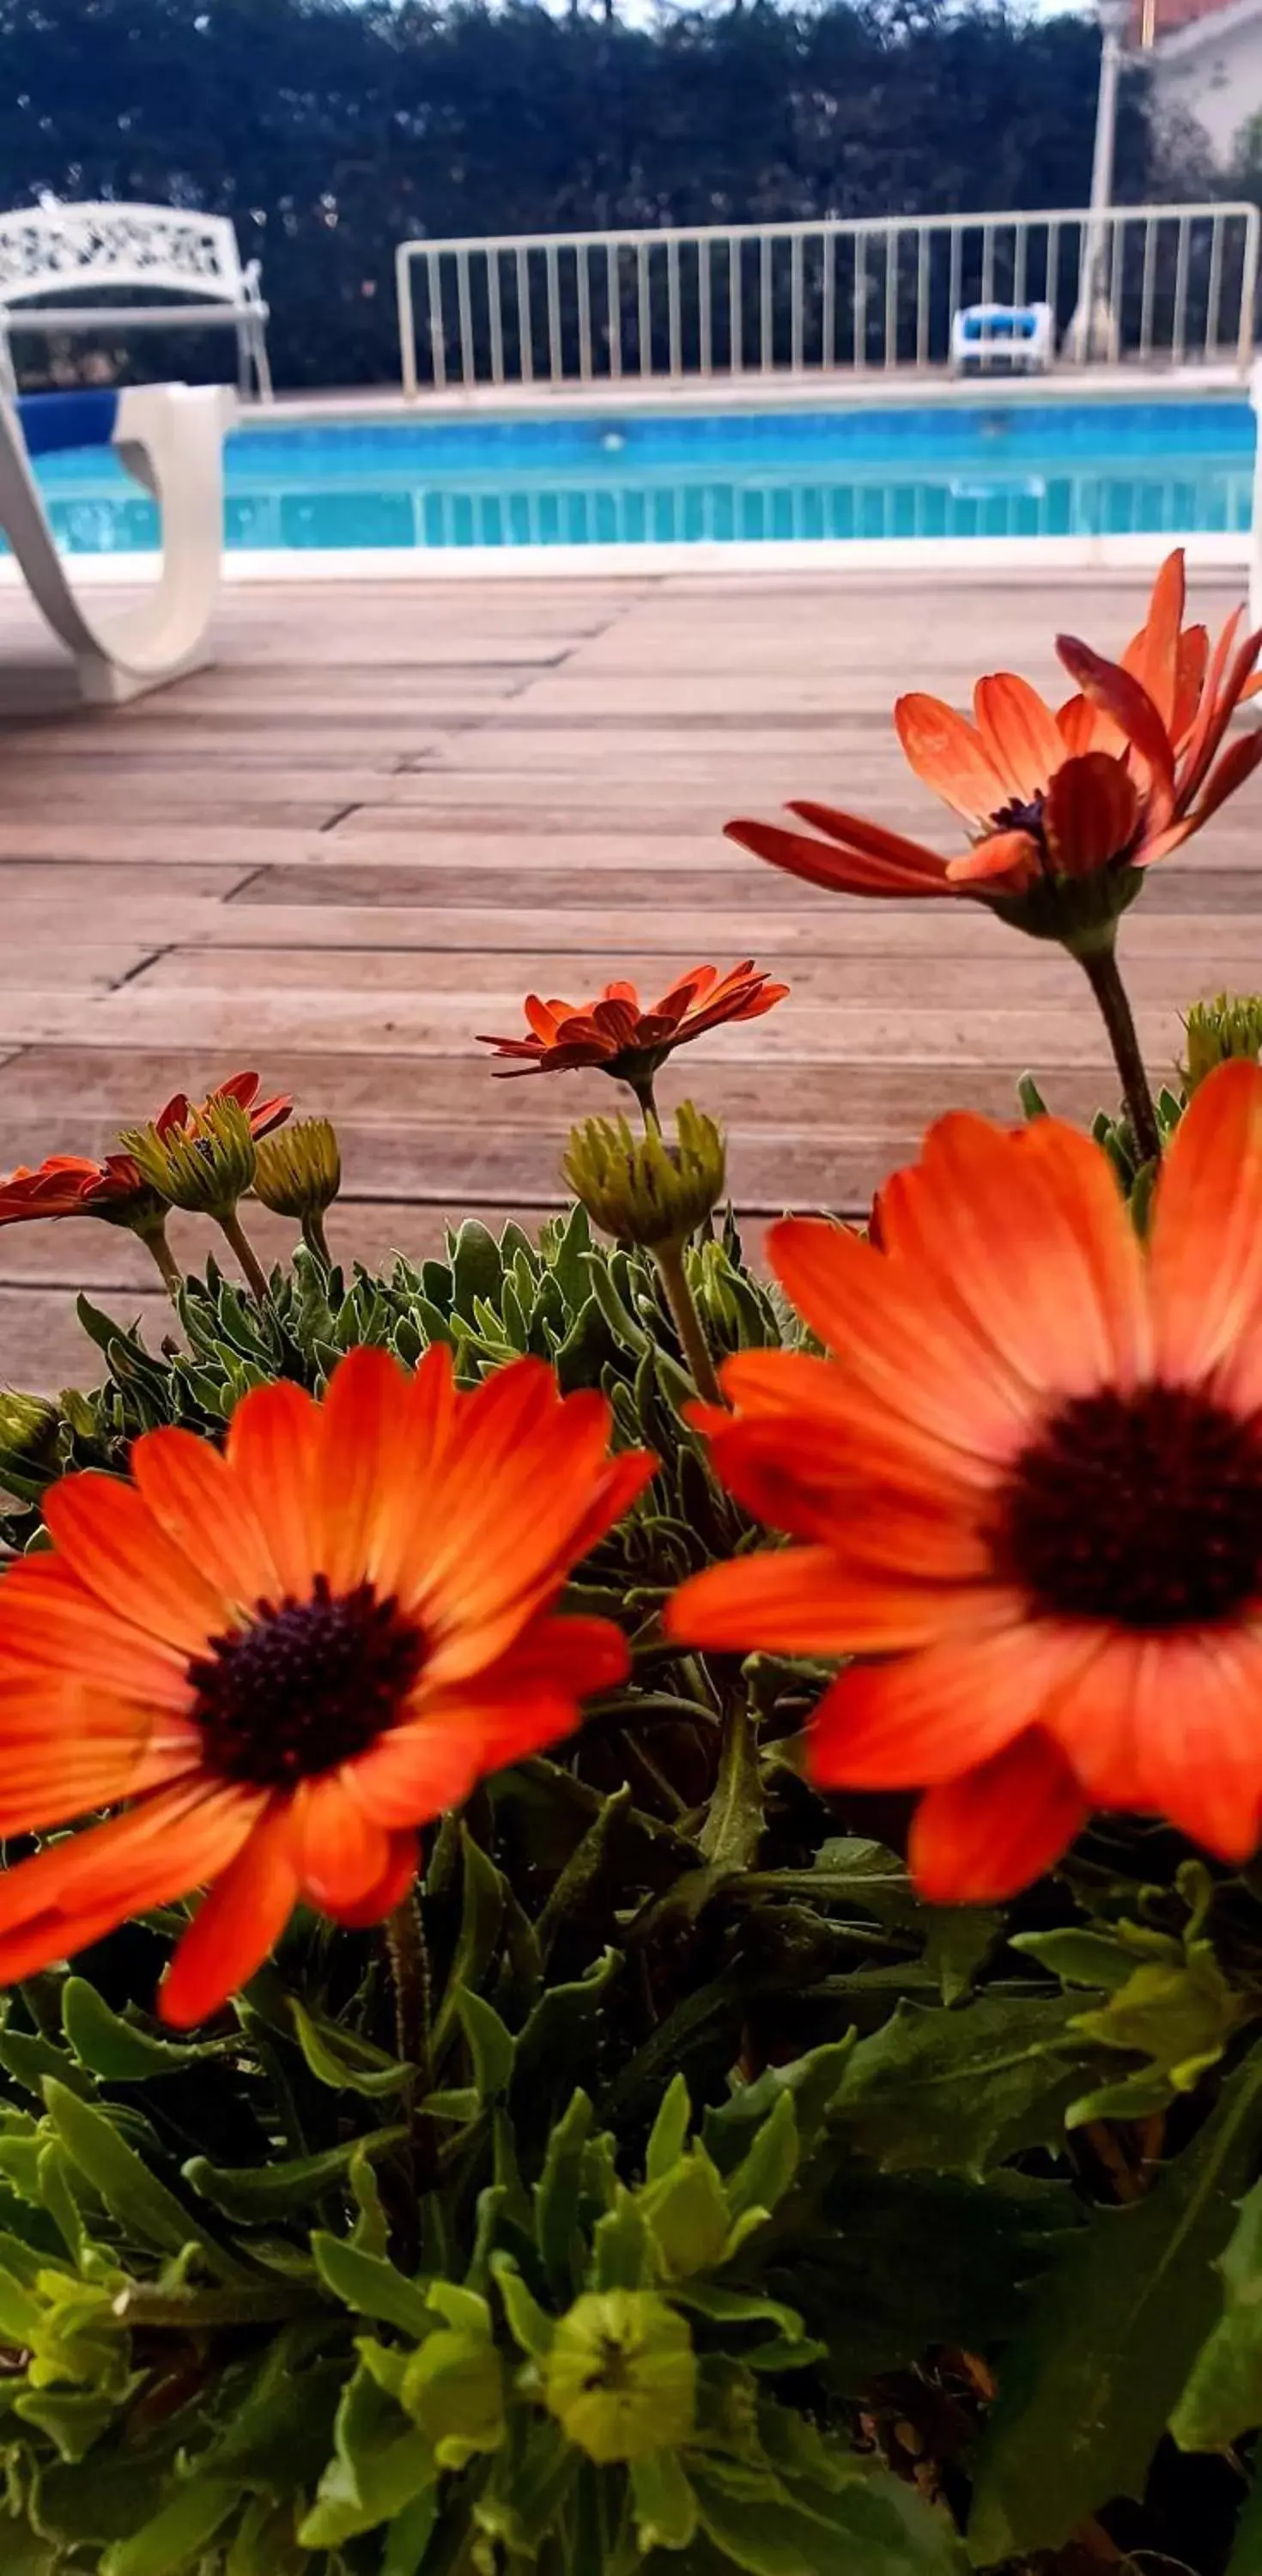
(298, 1170)
(28, 1426)
(641, 1189)
(205, 1165)
(453, 2387)
(621, 2375)
(1217, 1031)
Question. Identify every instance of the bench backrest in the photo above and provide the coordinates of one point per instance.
(51, 250)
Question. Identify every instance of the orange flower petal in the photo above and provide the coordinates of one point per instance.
(875, 863)
(1170, 1722)
(272, 1451)
(1153, 656)
(922, 1718)
(340, 1854)
(809, 1601)
(1131, 708)
(1027, 1235)
(390, 1889)
(900, 1339)
(1002, 854)
(50, 1623)
(1205, 1253)
(194, 1496)
(238, 1925)
(111, 1540)
(946, 751)
(1019, 734)
(365, 1478)
(76, 1890)
(1091, 814)
(992, 1830)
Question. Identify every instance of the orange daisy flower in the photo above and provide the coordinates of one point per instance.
(1123, 773)
(71, 1185)
(1027, 1493)
(263, 1115)
(622, 1038)
(288, 1656)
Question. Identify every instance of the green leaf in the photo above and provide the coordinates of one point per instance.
(955, 2092)
(871, 2526)
(1088, 2388)
(29, 2058)
(669, 2131)
(959, 1938)
(115, 2049)
(73, 2419)
(381, 2464)
(663, 2502)
(477, 1267)
(1246, 2556)
(1078, 1958)
(371, 2286)
(491, 2046)
(771, 2164)
(178, 2535)
(340, 2059)
(1223, 2396)
(527, 2323)
(258, 2192)
(732, 1831)
(149, 2213)
(556, 2197)
(481, 1913)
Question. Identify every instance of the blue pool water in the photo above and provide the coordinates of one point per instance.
(986, 468)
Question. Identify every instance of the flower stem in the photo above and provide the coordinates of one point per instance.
(155, 1241)
(246, 1254)
(670, 1261)
(648, 1105)
(409, 1968)
(315, 1238)
(1101, 970)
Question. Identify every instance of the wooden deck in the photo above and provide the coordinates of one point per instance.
(390, 811)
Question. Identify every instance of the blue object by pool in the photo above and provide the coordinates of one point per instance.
(57, 422)
(960, 469)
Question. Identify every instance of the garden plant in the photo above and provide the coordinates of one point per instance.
(631, 1922)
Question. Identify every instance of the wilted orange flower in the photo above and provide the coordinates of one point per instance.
(1122, 774)
(1027, 1492)
(616, 1033)
(288, 1656)
(71, 1185)
(263, 1115)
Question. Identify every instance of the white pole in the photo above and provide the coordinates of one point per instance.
(1092, 331)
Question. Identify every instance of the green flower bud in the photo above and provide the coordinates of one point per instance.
(621, 2377)
(1218, 1031)
(640, 1189)
(204, 1164)
(28, 1426)
(688, 2214)
(298, 1170)
(453, 2387)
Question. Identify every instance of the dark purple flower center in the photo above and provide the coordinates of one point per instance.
(1145, 1509)
(307, 1685)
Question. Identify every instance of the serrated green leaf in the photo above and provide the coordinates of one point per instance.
(149, 2213)
(956, 2092)
(481, 1914)
(116, 2050)
(556, 2197)
(764, 2177)
(491, 2047)
(381, 2464)
(958, 1941)
(340, 2059)
(527, 2322)
(1223, 2396)
(73, 2419)
(1088, 2388)
(871, 2526)
(476, 1266)
(669, 2132)
(252, 2193)
(371, 2286)
(28, 2057)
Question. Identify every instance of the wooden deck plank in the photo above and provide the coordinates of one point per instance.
(390, 810)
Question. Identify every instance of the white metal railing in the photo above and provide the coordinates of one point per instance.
(1169, 283)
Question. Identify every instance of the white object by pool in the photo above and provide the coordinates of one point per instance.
(170, 438)
(174, 252)
(1018, 336)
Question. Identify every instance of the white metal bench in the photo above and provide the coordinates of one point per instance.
(79, 251)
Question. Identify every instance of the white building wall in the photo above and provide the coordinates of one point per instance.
(1219, 83)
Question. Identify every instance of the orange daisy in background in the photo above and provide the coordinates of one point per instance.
(621, 1037)
(72, 1185)
(263, 1115)
(288, 1656)
(1027, 1493)
(1123, 773)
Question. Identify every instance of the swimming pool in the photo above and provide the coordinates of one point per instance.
(989, 467)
